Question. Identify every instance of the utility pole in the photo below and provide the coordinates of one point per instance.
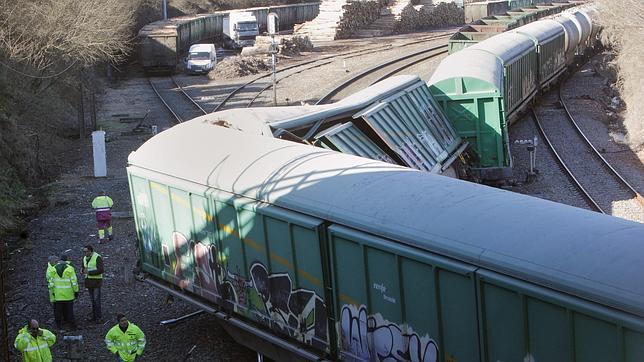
(272, 22)
(165, 9)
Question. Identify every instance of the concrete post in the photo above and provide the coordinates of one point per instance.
(100, 161)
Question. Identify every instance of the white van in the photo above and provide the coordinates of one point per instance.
(201, 58)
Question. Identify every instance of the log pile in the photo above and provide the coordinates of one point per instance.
(426, 17)
(340, 18)
(288, 45)
(358, 14)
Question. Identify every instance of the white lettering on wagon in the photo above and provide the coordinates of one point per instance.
(383, 289)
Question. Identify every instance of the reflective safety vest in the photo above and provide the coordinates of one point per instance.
(65, 285)
(35, 349)
(102, 202)
(49, 276)
(91, 266)
(128, 344)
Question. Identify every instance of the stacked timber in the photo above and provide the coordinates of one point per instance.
(386, 23)
(425, 17)
(340, 19)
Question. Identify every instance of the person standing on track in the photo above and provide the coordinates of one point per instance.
(125, 340)
(93, 270)
(34, 342)
(103, 208)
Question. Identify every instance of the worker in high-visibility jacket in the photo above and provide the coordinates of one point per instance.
(93, 272)
(65, 286)
(49, 275)
(103, 208)
(125, 340)
(34, 342)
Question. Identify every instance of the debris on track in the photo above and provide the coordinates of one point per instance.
(239, 66)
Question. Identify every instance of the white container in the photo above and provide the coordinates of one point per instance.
(100, 161)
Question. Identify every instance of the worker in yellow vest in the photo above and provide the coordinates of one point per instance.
(103, 208)
(125, 340)
(34, 343)
(49, 275)
(92, 271)
(65, 286)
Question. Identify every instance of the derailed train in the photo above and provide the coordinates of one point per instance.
(306, 253)
(483, 88)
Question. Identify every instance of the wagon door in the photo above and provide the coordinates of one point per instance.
(400, 303)
(270, 268)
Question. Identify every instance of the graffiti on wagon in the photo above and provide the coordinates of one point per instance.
(373, 338)
(269, 298)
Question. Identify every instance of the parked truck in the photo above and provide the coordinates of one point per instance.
(240, 30)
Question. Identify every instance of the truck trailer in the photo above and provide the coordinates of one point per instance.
(240, 30)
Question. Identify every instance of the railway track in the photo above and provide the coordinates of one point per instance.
(183, 106)
(301, 67)
(382, 71)
(594, 177)
(173, 96)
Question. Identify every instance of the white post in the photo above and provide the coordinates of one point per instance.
(272, 23)
(100, 162)
(274, 79)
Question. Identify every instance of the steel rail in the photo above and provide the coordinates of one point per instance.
(270, 85)
(187, 96)
(605, 162)
(401, 68)
(563, 165)
(176, 116)
(236, 90)
(407, 65)
(370, 70)
(345, 55)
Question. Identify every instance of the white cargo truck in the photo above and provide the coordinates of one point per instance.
(202, 58)
(240, 29)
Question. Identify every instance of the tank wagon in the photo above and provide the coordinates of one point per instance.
(162, 43)
(491, 25)
(306, 253)
(485, 87)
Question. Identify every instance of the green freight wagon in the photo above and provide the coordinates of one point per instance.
(309, 254)
(163, 43)
(514, 4)
(549, 38)
(472, 34)
(482, 29)
(477, 10)
(482, 89)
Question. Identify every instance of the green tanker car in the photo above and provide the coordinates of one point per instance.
(306, 253)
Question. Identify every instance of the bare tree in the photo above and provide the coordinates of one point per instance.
(48, 33)
(623, 29)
